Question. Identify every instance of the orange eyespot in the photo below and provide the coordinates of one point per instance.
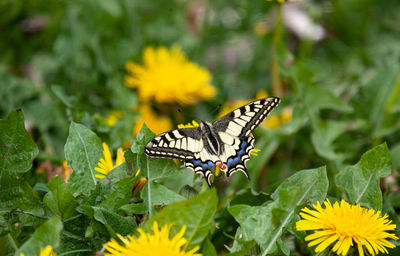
(221, 165)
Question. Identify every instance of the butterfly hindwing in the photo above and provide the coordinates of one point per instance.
(238, 161)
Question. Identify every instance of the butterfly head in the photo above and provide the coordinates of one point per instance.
(205, 127)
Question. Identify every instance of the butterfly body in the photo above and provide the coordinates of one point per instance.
(226, 143)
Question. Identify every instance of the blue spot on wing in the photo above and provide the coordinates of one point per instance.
(196, 162)
(205, 165)
(234, 160)
(208, 165)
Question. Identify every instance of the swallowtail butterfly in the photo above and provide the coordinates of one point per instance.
(226, 143)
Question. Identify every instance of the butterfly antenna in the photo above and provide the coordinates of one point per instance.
(216, 109)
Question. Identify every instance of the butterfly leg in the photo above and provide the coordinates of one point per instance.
(201, 167)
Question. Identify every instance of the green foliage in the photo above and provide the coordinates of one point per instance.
(361, 181)
(46, 234)
(196, 214)
(17, 153)
(265, 224)
(59, 200)
(62, 72)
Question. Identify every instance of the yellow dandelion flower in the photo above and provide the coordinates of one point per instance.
(156, 123)
(188, 125)
(48, 251)
(113, 117)
(343, 225)
(105, 165)
(146, 244)
(167, 76)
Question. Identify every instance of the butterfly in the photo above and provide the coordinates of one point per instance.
(226, 143)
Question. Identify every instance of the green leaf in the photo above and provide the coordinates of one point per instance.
(17, 151)
(324, 135)
(46, 234)
(266, 224)
(59, 201)
(240, 247)
(119, 195)
(196, 214)
(319, 97)
(114, 222)
(144, 136)
(253, 221)
(315, 96)
(161, 195)
(155, 169)
(17, 148)
(83, 151)
(139, 208)
(361, 181)
(208, 248)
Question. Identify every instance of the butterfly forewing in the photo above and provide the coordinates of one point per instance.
(242, 121)
(180, 144)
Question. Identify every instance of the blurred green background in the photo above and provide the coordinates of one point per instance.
(334, 64)
(64, 60)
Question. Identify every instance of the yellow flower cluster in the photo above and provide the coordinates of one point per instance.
(146, 244)
(167, 76)
(343, 225)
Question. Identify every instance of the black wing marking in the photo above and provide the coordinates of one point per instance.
(242, 121)
(180, 144)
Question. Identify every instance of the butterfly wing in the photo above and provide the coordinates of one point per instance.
(236, 153)
(184, 144)
(235, 131)
(180, 144)
(242, 121)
